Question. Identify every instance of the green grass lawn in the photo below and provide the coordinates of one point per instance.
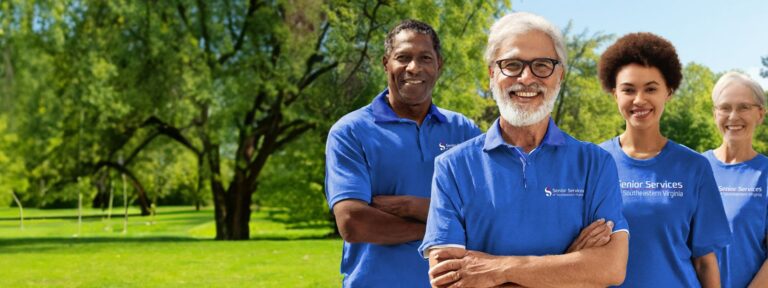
(168, 250)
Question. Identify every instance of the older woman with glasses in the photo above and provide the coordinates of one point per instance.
(741, 173)
(669, 194)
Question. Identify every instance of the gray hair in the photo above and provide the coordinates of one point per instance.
(521, 22)
(737, 77)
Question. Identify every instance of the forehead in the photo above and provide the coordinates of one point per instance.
(636, 74)
(412, 41)
(527, 45)
(737, 93)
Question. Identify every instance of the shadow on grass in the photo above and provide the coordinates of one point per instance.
(31, 244)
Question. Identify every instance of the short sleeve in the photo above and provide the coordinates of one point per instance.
(709, 230)
(472, 130)
(346, 171)
(445, 223)
(606, 202)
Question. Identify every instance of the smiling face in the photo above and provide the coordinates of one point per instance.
(412, 68)
(641, 94)
(737, 114)
(526, 99)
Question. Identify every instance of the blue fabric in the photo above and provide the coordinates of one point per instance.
(493, 197)
(743, 189)
(674, 209)
(372, 151)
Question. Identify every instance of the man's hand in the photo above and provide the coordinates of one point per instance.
(403, 206)
(474, 269)
(596, 234)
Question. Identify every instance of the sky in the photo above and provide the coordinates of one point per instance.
(722, 35)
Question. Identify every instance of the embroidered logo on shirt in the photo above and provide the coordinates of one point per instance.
(667, 189)
(444, 146)
(563, 192)
(741, 191)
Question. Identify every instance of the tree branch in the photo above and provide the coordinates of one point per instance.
(252, 6)
(170, 131)
(364, 53)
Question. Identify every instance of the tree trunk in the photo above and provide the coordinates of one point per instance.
(239, 203)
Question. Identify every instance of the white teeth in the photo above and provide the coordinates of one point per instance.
(734, 127)
(526, 94)
(414, 81)
(642, 113)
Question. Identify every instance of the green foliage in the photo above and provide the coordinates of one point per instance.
(583, 109)
(294, 179)
(12, 174)
(688, 118)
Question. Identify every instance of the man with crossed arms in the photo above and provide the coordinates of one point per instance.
(506, 205)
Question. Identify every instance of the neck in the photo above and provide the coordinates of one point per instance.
(642, 143)
(731, 152)
(526, 137)
(415, 112)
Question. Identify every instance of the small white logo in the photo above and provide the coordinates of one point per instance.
(444, 146)
(563, 192)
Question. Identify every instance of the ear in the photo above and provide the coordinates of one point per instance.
(439, 64)
(669, 96)
(762, 116)
(613, 93)
(384, 60)
(562, 75)
(490, 71)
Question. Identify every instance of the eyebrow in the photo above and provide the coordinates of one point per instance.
(646, 84)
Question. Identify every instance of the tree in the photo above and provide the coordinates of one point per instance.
(583, 109)
(688, 116)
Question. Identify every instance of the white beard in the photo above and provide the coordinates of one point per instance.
(518, 116)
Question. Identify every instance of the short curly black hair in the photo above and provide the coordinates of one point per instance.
(646, 49)
(416, 26)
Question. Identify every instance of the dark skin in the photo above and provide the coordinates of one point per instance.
(412, 68)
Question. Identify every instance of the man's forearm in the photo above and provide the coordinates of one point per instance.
(598, 266)
(359, 222)
(404, 206)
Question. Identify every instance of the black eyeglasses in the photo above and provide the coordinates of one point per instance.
(541, 67)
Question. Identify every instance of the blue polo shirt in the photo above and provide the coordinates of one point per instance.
(674, 209)
(372, 151)
(493, 197)
(743, 189)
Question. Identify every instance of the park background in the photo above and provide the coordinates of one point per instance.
(209, 118)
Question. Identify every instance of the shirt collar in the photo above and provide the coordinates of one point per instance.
(494, 139)
(382, 112)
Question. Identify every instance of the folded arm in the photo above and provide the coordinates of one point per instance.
(358, 222)
(410, 207)
(596, 266)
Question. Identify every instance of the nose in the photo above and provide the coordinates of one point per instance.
(413, 67)
(527, 78)
(639, 98)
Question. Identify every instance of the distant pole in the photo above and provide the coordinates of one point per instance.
(79, 209)
(125, 200)
(111, 200)
(125, 203)
(21, 211)
(79, 190)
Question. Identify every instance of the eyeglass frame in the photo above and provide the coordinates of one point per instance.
(740, 108)
(528, 63)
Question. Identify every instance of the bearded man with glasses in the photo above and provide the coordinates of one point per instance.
(506, 206)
